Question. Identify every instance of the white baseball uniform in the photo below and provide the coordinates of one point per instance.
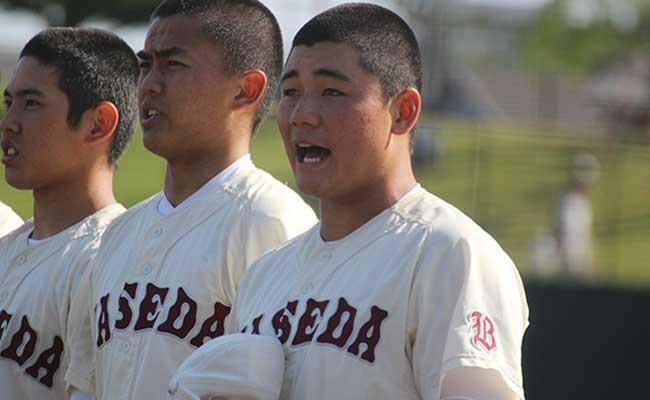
(164, 285)
(386, 311)
(37, 283)
(8, 220)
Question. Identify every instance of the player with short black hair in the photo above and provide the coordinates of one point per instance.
(247, 33)
(70, 109)
(169, 268)
(93, 66)
(396, 294)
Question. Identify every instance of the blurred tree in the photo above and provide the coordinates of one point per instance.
(577, 35)
(72, 12)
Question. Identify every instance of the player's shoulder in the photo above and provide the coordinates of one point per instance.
(20, 233)
(444, 222)
(264, 195)
(133, 215)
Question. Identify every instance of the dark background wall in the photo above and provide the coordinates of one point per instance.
(587, 343)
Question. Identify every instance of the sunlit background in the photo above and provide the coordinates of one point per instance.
(537, 125)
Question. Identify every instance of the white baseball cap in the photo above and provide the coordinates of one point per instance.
(232, 367)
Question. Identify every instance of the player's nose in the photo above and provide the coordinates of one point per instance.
(305, 112)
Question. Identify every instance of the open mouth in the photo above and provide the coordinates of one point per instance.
(149, 116)
(311, 154)
(9, 153)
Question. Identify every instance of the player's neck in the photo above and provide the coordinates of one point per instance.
(59, 207)
(342, 216)
(185, 177)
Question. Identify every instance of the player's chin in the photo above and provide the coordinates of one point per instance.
(308, 186)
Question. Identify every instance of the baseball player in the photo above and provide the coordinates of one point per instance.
(395, 294)
(168, 269)
(71, 108)
(9, 220)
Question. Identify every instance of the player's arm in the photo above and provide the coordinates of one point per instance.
(469, 383)
(467, 309)
(79, 341)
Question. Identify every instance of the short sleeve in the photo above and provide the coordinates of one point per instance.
(467, 309)
(79, 342)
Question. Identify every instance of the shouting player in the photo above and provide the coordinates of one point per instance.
(168, 270)
(8, 220)
(71, 108)
(395, 294)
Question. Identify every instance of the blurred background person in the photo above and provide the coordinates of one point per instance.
(573, 219)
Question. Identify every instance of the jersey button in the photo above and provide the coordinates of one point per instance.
(326, 256)
(147, 269)
(21, 260)
(307, 288)
(157, 232)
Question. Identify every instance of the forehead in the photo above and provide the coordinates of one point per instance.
(31, 74)
(175, 31)
(326, 55)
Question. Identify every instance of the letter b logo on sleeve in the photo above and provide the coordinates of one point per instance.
(482, 329)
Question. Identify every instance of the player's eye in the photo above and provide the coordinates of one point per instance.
(174, 63)
(31, 103)
(332, 92)
(289, 92)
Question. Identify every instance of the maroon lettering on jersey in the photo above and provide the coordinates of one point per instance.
(256, 325)
(124, 305)
(281, 321)
(150, 307)
(213, 326)
(188, 320)
(49, 361)
(25, 338)
(103, 328)
(307, 325)
(334, 323)
(4, 321)
(369, 334)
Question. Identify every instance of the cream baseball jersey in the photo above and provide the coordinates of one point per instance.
(8, 220)
(37, 283)
(163, 285)
(384, 312)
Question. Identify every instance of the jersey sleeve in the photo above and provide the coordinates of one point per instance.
(467, 309)
(80, 343)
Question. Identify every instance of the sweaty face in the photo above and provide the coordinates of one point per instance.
(39, 148)
(184, 93)
(334, 122)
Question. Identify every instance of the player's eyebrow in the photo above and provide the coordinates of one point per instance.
(24, 92)
(163, 53)
(332, 73)
(289, 74)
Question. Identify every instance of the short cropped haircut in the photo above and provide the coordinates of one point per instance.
(93, 66)
(246, 32)
(386, 44)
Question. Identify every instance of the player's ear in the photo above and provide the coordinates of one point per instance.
(405, 110)
(251, 88)
(104, 119)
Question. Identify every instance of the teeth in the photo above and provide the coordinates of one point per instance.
(152, 113)
(311, 160)
(303, 145)
(11, 151)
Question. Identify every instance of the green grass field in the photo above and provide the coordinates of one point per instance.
(506, 178)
